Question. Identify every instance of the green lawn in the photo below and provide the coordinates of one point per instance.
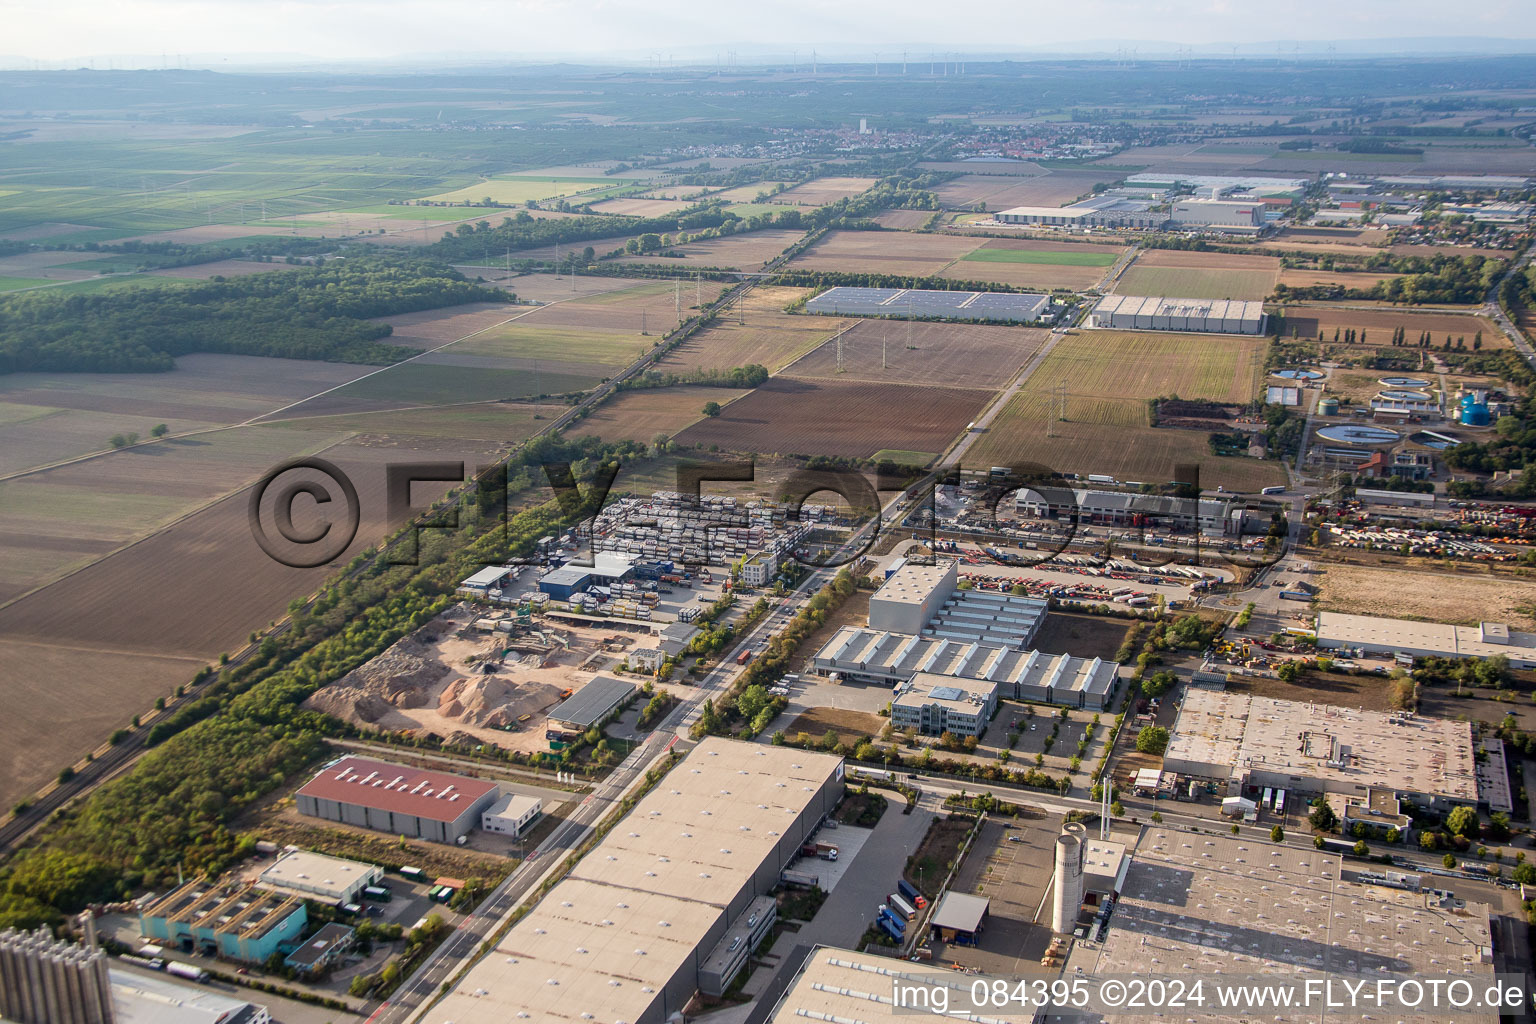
(754, 209)
(10, 284)
(1060, 259)
(904, 457)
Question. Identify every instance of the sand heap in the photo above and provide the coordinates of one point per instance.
(494, 702)
(404, 676)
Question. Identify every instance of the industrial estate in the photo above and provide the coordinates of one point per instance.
(819, 533)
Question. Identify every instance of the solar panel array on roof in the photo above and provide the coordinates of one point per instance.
(1007, 307)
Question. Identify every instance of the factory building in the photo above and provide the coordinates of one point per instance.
(894, 659)
(1226, 215)
(1126, 508)
(1102, 211)
(566, 581)
(588, 706)
(151, 999)
(397, 799)
(934, 705)
(630, 934)
(318, 877)
(44, 981)
(1202, 904)
(1425, 639)
(1201, 316)
(1256, 743)
(227, 919)
(912, 595)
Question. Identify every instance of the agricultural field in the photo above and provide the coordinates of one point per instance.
(1464, 599)
(757, 330)
(1330, 278)
(640, 207)
(433, 327)
(849, 418)
(903, 220)
(1199, 275)
(642, 414)
(954, 355)
(650, 306)
(1036, 264)
(747, 251)
(822, 191)
(1110, 376)
(503, 423)
(883, 252)
(46, 727)
(996, 192)
(1376, 325)
(745, 193)
(550, 288)
(519, 189)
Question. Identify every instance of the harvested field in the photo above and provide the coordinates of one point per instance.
(1108, 426)
(216, 233)
(998, 167)
(518, 345)
(543, 288)
(37, 267)
(767, 336)
(903, 220)
(1378, 324)
(737, 252)
(1066, 254)
(1332, 278)
(641, 415)
(851, 418)
(433, 327)
(850, 726)
(59, 519)
(62, 701)
(954, 355)
(1199, 275)
(1461, 598)
(1044, 265)
(442, 378)
(650, 306)
(1054, 188)
(639, 207)
(822, 191)
(204, 387)
(744, 193)
(883, 252)
(518, 190)
(501, 423)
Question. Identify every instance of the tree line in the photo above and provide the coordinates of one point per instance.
(319, 312)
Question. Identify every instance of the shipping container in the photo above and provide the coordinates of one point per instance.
(906, 910)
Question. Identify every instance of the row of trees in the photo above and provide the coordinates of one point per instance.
(320, 312)
(1447, 279)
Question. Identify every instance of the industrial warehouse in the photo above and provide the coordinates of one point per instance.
(397, 799)
(1205, 316)
(318, 877)
(635, 929)
(1207, 904)
(226, 918)
(1419, 639)
(950, 655)
(918, 303)
(1258, 742)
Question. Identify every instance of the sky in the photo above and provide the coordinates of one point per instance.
(203, 32)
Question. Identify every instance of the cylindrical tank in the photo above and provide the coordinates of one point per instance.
(1474, 413)
(1067, 892)
(1328, 407)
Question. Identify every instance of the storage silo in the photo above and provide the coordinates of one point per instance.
(1067, 897)
(1328, 406)
(1474, 413)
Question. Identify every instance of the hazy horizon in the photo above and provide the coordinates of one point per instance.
(202, 33)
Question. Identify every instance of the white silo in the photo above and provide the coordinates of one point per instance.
(1067, 897)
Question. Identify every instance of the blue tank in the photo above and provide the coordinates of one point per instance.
(1473, 412)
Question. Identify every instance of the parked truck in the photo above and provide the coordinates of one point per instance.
(187, 971)
(887, 914)
(909, 890)
(903, 909)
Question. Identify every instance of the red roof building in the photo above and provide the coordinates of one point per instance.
(397, 799)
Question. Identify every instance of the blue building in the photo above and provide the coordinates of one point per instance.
(227, 919)
(562, 583)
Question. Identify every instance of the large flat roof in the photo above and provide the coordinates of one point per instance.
(1162, 305)
(841, 985)
(1241, 733)
(143, 999)
(310, 873)
(1202, 903)
(1482, 641)
(400, 789)
(607, 940)
(914, 583)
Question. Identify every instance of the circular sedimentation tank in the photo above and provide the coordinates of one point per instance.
(1352, 433)
(1403, 382)
(1404, 395)
(1298, 374)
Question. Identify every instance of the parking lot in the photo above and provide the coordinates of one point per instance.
(1011, 865)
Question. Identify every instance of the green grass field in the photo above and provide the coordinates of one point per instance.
(488, 422)
(10, 284)
(904, 457)
(426, 384)
(1060, 259)
(442, 213)
(754, 209)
